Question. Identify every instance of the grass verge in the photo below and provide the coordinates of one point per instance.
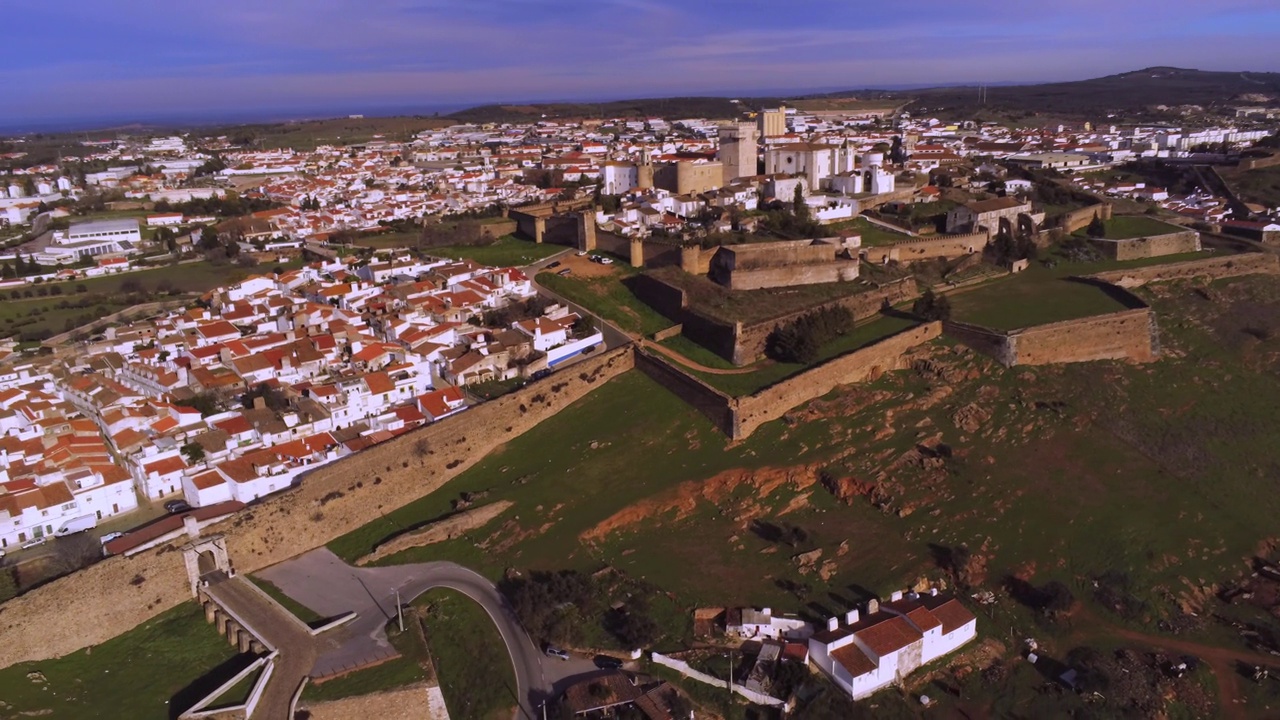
(471, 661)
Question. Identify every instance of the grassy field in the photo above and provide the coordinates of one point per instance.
(1123, 227)
(506, 252)
(770, 373)
(608, 297)
(872, 235)
(470, 659)
(1042, 294)
(696, 353)
(1256, 186)
(162, 666)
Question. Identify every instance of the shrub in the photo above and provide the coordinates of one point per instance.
(800, 341)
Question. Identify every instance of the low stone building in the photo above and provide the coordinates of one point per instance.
(792, 262)
(985, 214)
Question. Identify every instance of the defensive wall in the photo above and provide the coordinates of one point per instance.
(783, 264)
(1077, 219)
(741, 416)
(1258, 163)
(771, 403)
(1209, 269)
(1174, 243)
(742, 343)
(945, 246)
(119, 593)
(1128, 334)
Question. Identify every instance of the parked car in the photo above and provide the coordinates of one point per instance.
(564, 272)
(111, 536)
(35, 542)
(554, 264)
(581, 253)
(555, 652)
(605, 261)
(605, 662)
(174, 507)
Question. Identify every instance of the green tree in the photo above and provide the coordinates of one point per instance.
(193, 452)
(799, 207)
(19, 265)
(6, 271)
(1097, 228)
(209, 239)
(931, 306)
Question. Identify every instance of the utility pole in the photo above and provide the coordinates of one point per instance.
(399, 610)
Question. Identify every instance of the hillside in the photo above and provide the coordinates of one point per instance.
(1131, 94)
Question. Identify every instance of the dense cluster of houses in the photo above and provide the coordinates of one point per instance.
(233, 398)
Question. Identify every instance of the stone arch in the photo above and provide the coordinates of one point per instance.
(205, 556)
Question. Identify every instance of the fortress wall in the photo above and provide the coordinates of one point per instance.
(1211, 268)
(705, 399)
(1076, 219)
(1115, 336)
(868, 363)
(926, 249)
(1151, 246)
(750, 340)
(786, 276)
(103, 601)
(992, 343)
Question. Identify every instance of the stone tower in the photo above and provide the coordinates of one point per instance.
(738, 150)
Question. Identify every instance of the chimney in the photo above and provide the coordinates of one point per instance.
(833, 623)
(851, 617)
(873, 606)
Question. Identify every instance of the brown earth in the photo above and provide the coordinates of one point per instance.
(683, 500)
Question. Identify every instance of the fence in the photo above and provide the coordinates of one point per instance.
(683, 668)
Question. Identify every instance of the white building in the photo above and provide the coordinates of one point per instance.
(758, 624)
(816, 162)
(91, 239)
(894, 639)
(619, 177)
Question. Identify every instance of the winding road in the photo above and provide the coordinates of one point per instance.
(328, 585)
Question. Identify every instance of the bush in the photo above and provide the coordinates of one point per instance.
(932, 307)
(801, 341)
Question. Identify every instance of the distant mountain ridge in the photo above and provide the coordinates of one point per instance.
(1126, 93)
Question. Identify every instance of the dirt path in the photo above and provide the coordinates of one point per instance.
(1219, 659)
(699, 367)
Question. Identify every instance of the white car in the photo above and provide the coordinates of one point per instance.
(606, 261)
(35, 542)
(582, 253)
(111, 536)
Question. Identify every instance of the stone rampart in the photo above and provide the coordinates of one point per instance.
(992, 343)
(1125, 335)
(1174, 243)
(750, 340)
(868, 363)
(1211, 269)
(948, 246)
(118, 594)
(1077, 219)
(707, 400)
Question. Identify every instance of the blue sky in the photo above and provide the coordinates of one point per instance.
(152, 58)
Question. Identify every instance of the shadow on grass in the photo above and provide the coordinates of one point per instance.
(207, 683)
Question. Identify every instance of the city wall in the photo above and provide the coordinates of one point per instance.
(948, 246)
(1174, 243)
(120, 593)
(1210, 269)
(749, 340)
(1128, 334)
(869, 363)
(717, 406)
(1077, 219)
(1258, 163)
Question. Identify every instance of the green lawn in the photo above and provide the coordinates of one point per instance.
(171, 660)
(608, 297)
(770, 373)
(697, 353)
(471, 661)
(872, 235)
(508, 251)
(1123, 227)
(398, 672)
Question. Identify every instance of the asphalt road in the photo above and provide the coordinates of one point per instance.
(323, 582)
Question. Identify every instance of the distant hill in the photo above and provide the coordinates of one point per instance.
(1127, 94)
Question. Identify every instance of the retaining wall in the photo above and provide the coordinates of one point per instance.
(1076, 219)
(1128, 334)
(948, 246)
(119, 593)
(868, 363)
(718, 407)
(1211, 268)
(1173, 243)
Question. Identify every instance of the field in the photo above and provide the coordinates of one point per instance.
(1043, 294)
(1123, 227)
(471, 661)
(149, 672)
(771, 372)
(872, 235)
(508, 251)
(1257, 186)
(1138, 487)
(608, 297)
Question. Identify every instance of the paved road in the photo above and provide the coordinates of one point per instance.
(279, 630)
(325, 583)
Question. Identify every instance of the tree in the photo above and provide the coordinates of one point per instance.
(19, 265)
(6, 271)
(799, 207)
(194, 453)
(1097, 228)
(931, 306)
(209, 239)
